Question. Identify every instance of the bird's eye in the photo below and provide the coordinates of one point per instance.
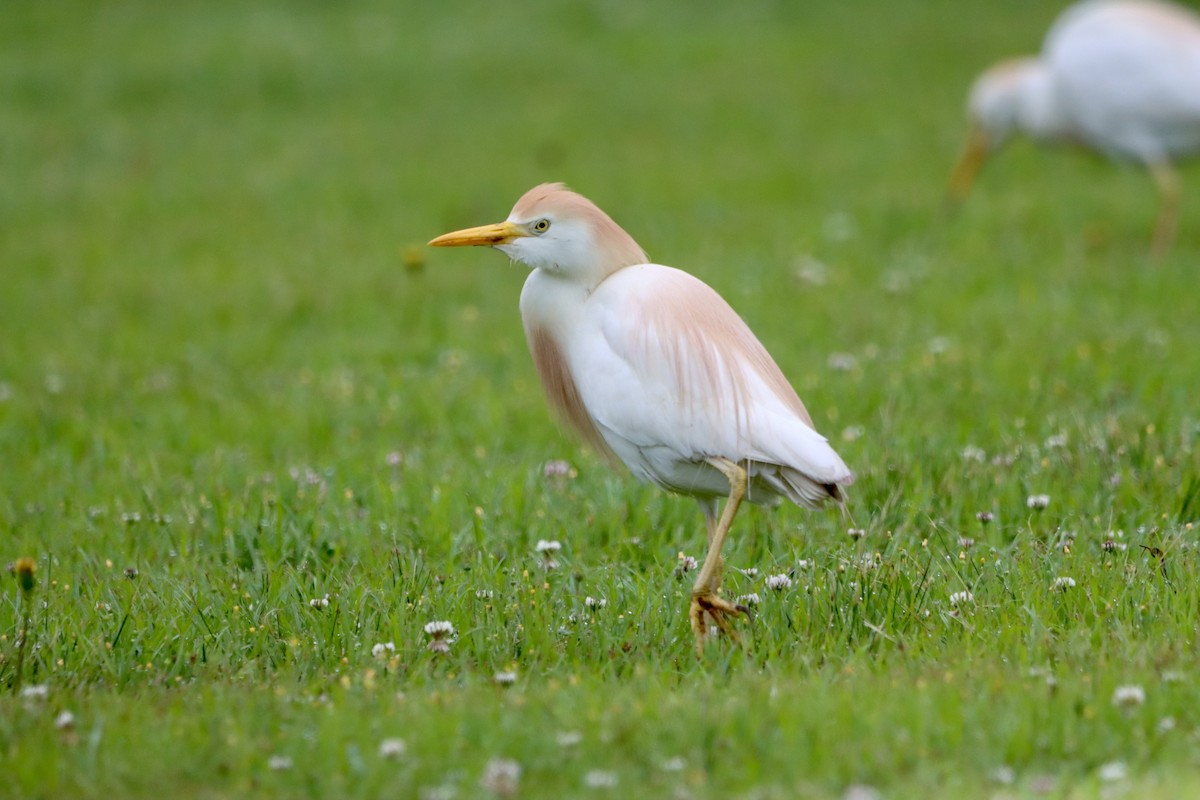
(541, 226)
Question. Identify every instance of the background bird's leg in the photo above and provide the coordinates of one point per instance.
(1169, 189)
(705, 601)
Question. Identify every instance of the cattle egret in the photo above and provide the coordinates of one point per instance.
(1119, 76)
(652, 368)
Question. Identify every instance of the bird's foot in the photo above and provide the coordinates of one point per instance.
(707, 608)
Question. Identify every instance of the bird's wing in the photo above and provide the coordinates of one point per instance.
(665, 362)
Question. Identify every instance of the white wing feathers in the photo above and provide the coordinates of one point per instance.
(705, 387)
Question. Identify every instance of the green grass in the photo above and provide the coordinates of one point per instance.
(217, 369)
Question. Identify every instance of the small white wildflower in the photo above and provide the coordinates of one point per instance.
(779, 582)
(856, 533)
(1063, 582)
(1056, 441)
(440, 633)
(484, 594)
(505, 678)
(675, 764)
(842, 362)
(985, 517)
(939, 345)
(278, 763)
(64, 721)
(810, 270)
(392, 748)
(319, 602)
(860, 791)
(960, 598)
(966, 542)
(751, 600)
(600, 779)
(502, 776)
(803, 563)
(1038, 502)
(558, 469)
(548, 548)
(686, 564)
(1112, 771)
(1173, 676)
(36, 691)
(394, 458)
(1004, 775)
(749, 572)
(383, 649)
(569, 738)
(1128, 696)
(852, 433)
(1165, 725)
(595, 603)
(973, 453)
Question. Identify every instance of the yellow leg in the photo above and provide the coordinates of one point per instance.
(706, 605)
(1169, 190)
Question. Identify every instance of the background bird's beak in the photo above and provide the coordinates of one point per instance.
(488, 235)
(968, 165)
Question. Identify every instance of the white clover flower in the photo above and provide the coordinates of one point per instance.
(595, 603)
(961, 598)
(558, 469)
(440, 633)
(392, 748)
(750, 600)
(319, 602)
(1112, 771)
(600, 779)
(985, 517)
(394, 458)
(779, 582)
(383, 649)
(484, 594)
(568, 738)
(1004, 775)
(36, 691)
(966, 542)
(505, 678)
(973, 453)
(1063, 582)
(1165, 725)
(1038, 502)
(64, 721)
(548, 548)
(842, 362)
(1056, 441)
(856, 533)
(686, 564)
(749, 572)
(278, 763)
(502, 776)
(803, 563)
(1128, 696)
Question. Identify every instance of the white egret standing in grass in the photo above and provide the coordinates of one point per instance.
(651, 367)
(1119, 76)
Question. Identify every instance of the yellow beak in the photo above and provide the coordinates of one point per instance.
(969, 163)
(486, 235)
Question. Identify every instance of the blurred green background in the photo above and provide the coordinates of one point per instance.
(227, 359)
